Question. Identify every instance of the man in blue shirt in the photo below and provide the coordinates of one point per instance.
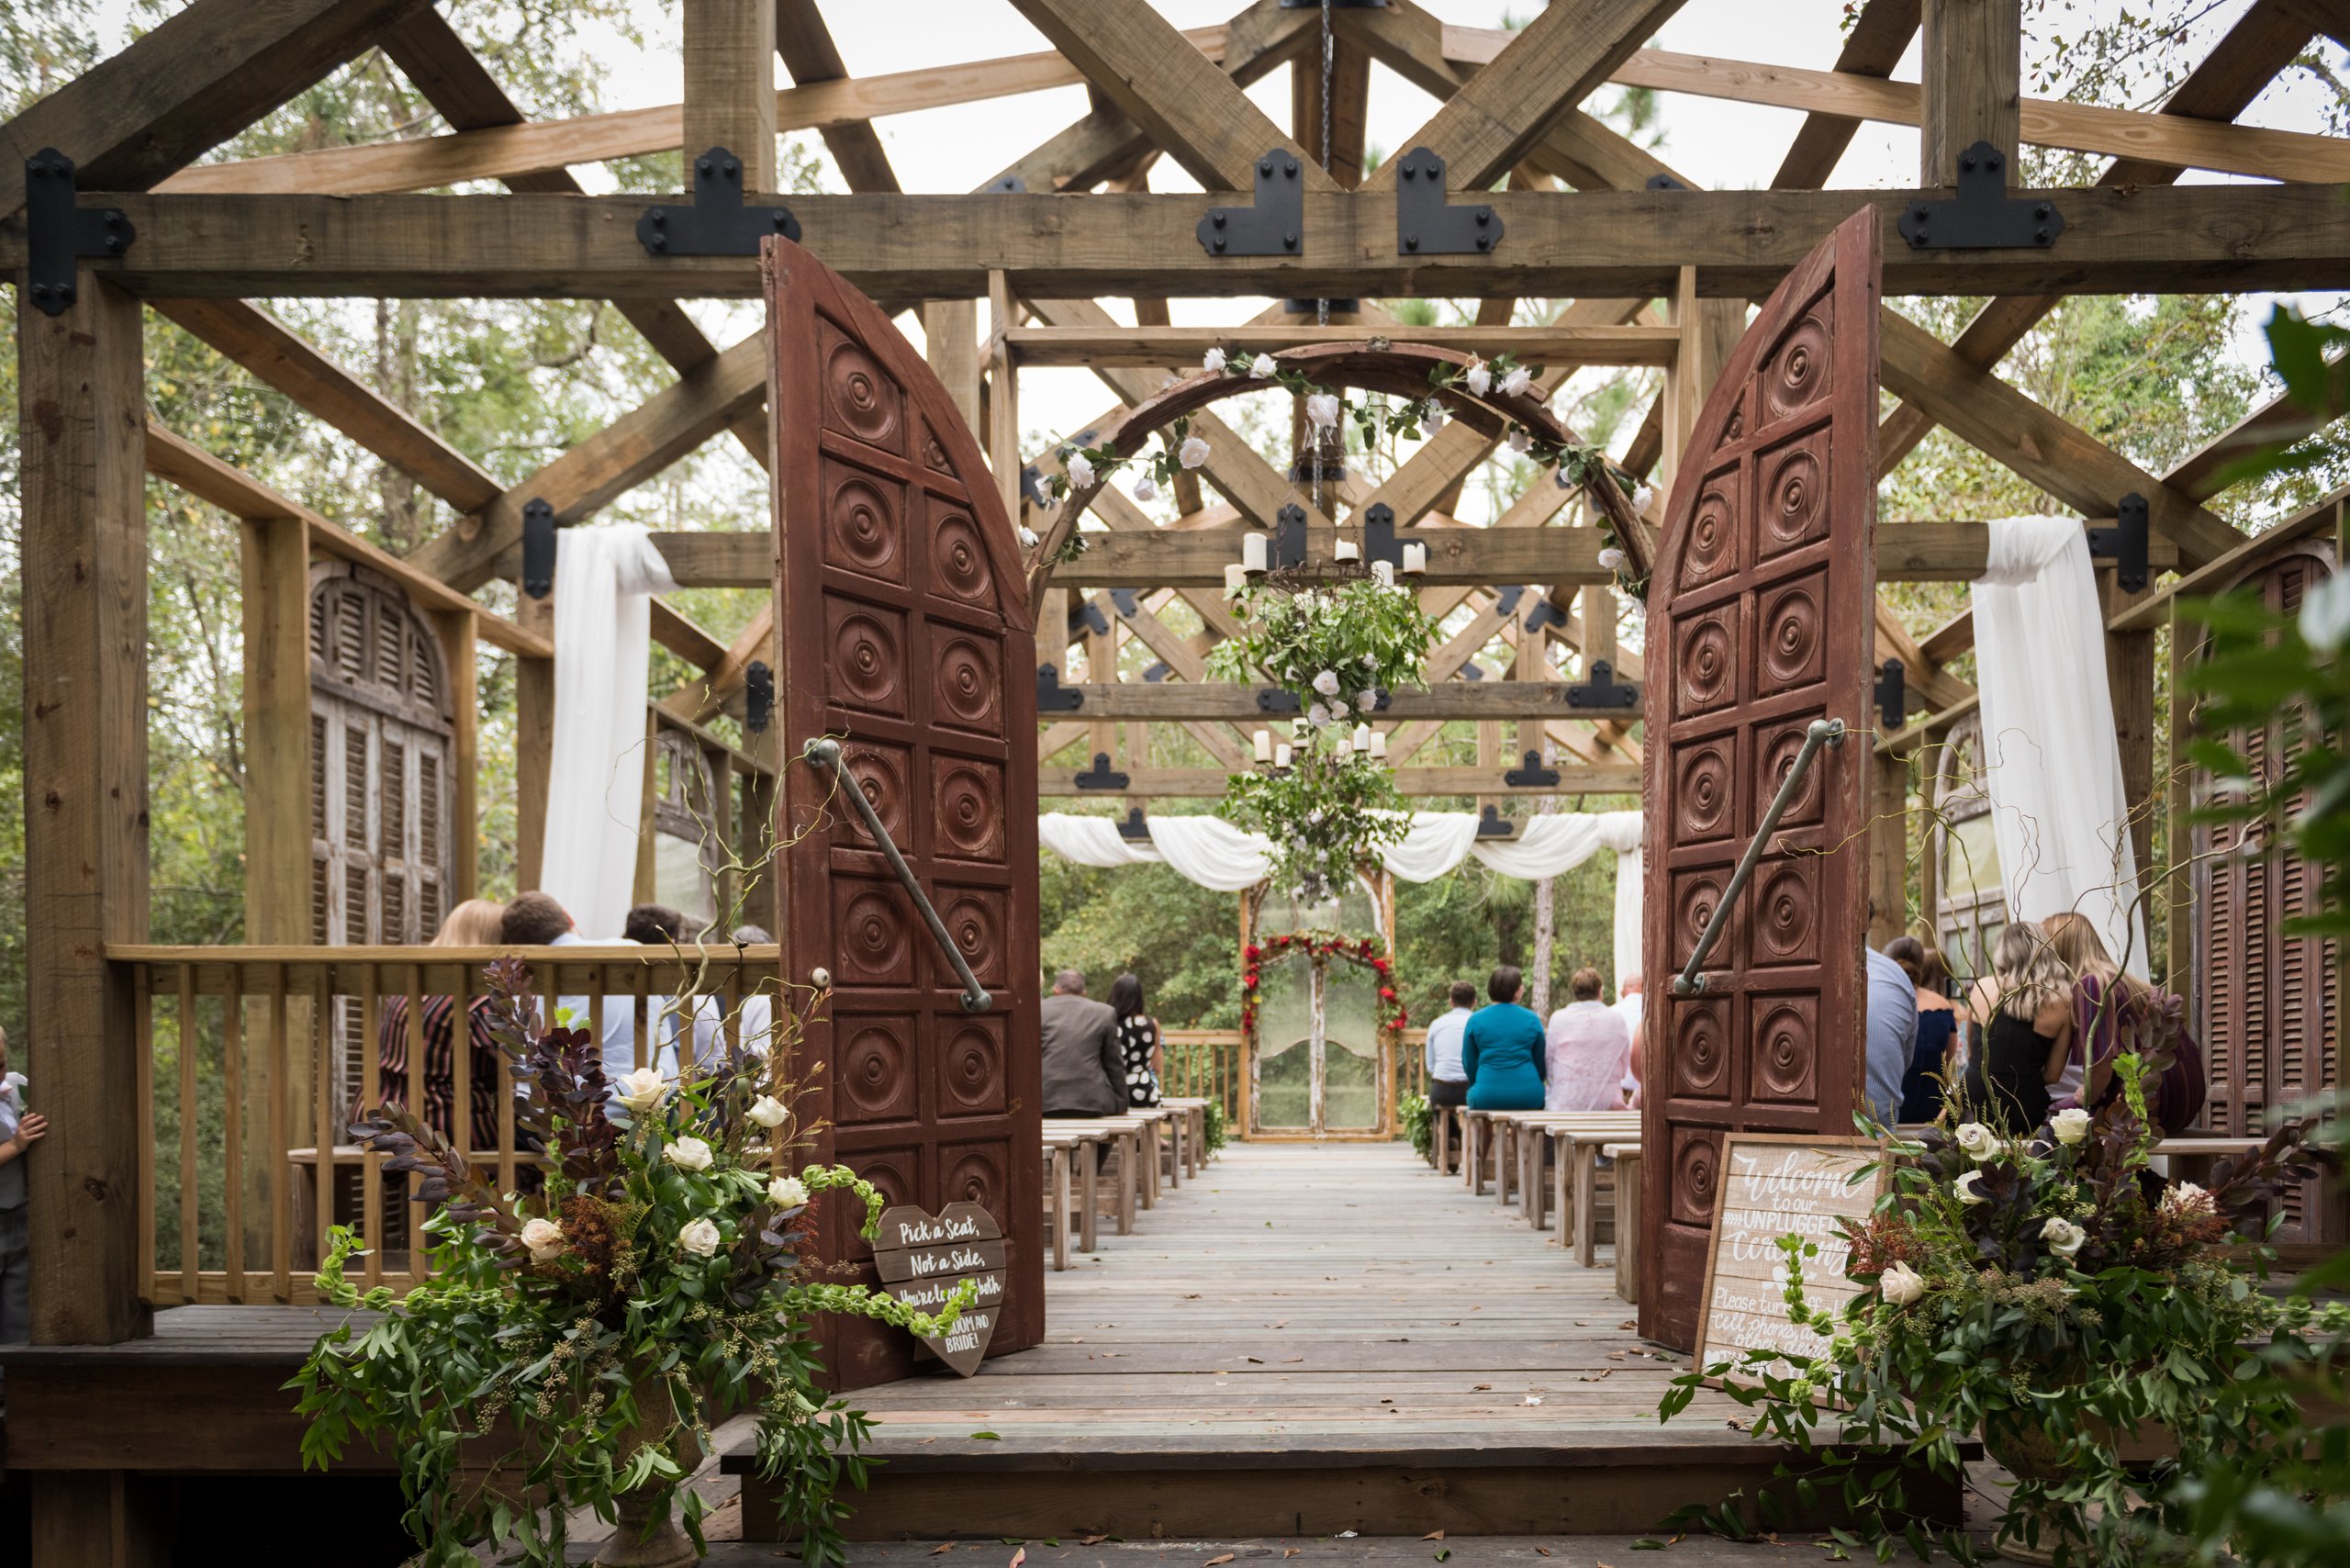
(1892, 1034)
(1448, 1079)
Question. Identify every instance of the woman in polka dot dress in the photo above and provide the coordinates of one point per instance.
(1137, 1040)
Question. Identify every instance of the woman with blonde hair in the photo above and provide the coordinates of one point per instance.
(476, 923)
(2027, 1001)
(2115, 1013)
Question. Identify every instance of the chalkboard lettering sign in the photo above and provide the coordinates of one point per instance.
(921, 1257)
(1772, 1186)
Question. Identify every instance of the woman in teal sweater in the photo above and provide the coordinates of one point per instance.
(1501, 1050)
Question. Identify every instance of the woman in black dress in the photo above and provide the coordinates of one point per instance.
(1137, 1041)
(2028, 998)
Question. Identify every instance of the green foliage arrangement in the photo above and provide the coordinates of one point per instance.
(575, 1344)
(2059, 1299)
(1420, 1121)
(1218, 1128)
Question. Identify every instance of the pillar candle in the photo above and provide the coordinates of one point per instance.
(1264, 745)
(1363, 737)
(1385, 571)
(1416, 558)
(1377, 743)
(1236, 577)
(1252, 552)
(1346, 550)
(1281, 755)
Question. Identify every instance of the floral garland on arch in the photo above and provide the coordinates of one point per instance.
(1390, 1014)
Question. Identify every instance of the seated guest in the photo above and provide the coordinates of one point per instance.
(2027, 1000)
(1502, 1050)
(1937, 1021)
(1448, 1079)
(1138, 1046)
(1085, 1073)
(2115, 1014)
(666, 1025)
(476, 922)
(537, 920)
(1628, 1008)
(1588, 1049)
(1892, 1034)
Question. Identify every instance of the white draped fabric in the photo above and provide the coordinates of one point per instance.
(2051, 760)
(604, 578)
(1213, 853)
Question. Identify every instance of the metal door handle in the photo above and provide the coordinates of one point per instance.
(1822, 732)
(824, 752)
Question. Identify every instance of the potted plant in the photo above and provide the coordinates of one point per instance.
(577, 1339)
(2098, 1327)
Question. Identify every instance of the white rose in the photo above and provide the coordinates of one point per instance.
(2070, 1125)
(1027, 537)
(1146, 489)
(1194, 452)
(544, 1237)
(699, 1238)
(1327, 683)
(1479, 377)
(688, 1154)
(1318, 715)
(1261, 366)
(1612, 558)
(1365, 700)
(1370, 661)
(642, 1089)
(2064, 1238)
(1979, 1141)
(2325, 613)
(1321, 410)
(1519, 440)
(768, 1111)
(1339, 709)
(1965, 1188)
(2184, 1196)
(787, 1192)
(1515, 384)
(1900, 1284)
(1213, 361)
(1436, 419)
(1643, 498)
(1081, 471)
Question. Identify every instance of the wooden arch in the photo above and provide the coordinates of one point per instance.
(1374, 364)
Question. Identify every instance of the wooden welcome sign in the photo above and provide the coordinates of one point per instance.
(923, 1257)
(1776, 1185)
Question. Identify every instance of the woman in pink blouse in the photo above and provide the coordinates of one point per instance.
(1588, 1048)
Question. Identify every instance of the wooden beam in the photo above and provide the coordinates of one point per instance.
(1973, 65)
(2279, 420)
(85, 571)
(1120, 346)
(1877, 40)
(197, 471)
(2317, 522)
(1523, 699)
(811, 57)
(1160, 82)
(1196, 783)
(1613, 245)
(730, 84)
(191, 83)
(275, 611)
(950, 329)
(534, 742)
(274, 353)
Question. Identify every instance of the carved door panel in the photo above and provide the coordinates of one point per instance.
(1759, 622)
(904, 632)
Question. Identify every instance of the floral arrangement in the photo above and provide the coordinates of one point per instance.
(575, 1344)
(1324, 815)
(1390, 1014)
(2056, 1296)
(1420, 1121)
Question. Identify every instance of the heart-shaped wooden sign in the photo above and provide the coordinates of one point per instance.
(923, 1257)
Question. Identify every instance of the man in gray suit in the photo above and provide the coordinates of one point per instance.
(1083, 1072)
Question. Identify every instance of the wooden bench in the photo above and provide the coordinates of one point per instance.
(1192, 1114)
(1123, 1139)
(1627, 1156)
(1061, 1149)
(1579, 1146)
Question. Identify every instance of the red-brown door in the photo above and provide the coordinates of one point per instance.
(1759, 622)
(904, 632)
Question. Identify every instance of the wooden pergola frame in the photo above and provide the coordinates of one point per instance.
(1660, 277)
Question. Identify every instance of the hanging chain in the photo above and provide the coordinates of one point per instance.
(1322, 307)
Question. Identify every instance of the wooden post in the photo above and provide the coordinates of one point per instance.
(1972, 63)
(647, 870)
(2129, 677)
(950, 329)
(85, 554)
(534, 743)
(456, 630)
(1888, 842)
(2178, 890)
(730, 85)
(1003, 394)
(276, 553)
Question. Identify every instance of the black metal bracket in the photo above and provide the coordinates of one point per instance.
(1983, 218)
(1087, 615)
(1134, 829)
(1286, 548)
(717, 223)
(1600, 689)
(1491, 824)
(1157, 673)
(1052, 697)
(1274, 699)
(1544, 613)
(1314, 306)
(538, 547)
(1472, 672)
(1032, 488)
(1011, 185)
(2124, 543)
(1334, 5)
(1128, 603)
(759, 697)
(1892, 694)
(1274, 225)
(1506, 599)
(1664, 183)
(1424, 224)
(1533, 776)
(58, 234)
(1101, 776)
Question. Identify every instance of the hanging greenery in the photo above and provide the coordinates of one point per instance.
(1324, 814)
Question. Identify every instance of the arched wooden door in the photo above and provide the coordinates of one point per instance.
(1759, 622)
(905, 631)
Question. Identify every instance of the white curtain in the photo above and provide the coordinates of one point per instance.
(2051, 759)
(604, 578)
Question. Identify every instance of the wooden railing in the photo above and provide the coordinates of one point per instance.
(1209, 1064)
(254, 1061)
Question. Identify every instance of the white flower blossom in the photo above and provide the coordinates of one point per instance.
(1515, 384)
(1479, 377)
(1979, 1141)
(1519, 441)
(1027, 537)
(1194, 452)
(1321, 410)
(1366, 698)
(2325, 613)
(1318, 716)
(2070, 1125)
(642, 1089)
(1371, 661)
(1436, 419)
(1339, 709)
(2064, 1238)
(1964, 1186)
(1327, 683)
(1213, 361)
(699, 1238)
(1081, 471)
(1900, 1284)
(768, 1111)
(1612, 558)
(787, 1192)
(2185, 1196)
(688, 1154)
(544, 1237)
(1643, 498)
(1260, 367)
(1145, 487)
